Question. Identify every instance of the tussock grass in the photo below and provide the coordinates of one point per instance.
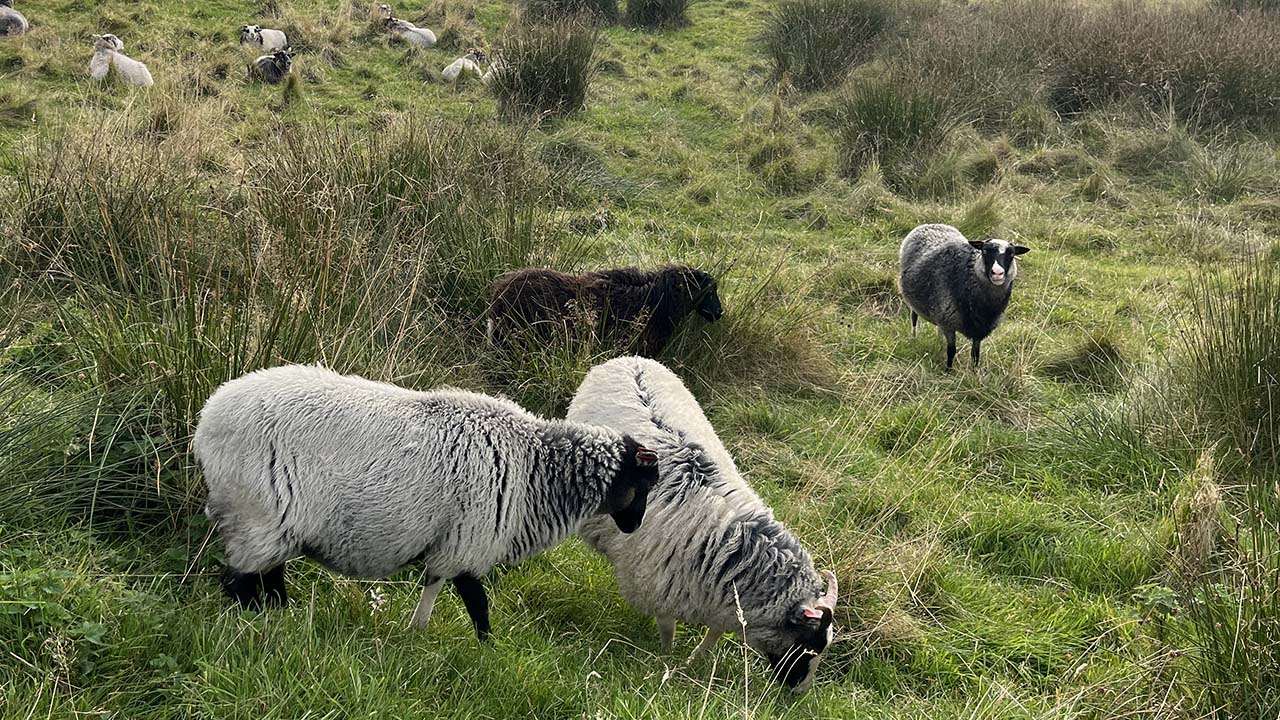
(893, 122)
(816, 42)
(545, 69)
(658, 13)
(550, 10)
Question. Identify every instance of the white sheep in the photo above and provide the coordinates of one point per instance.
(108, 53)
(367, 477)
(410, 33)
(467, 66)
(11, 21)
(709, 545)
(957, 284)
(265, 39)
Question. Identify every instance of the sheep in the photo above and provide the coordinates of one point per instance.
(273, 68)
(464, 67)
(107, 54)
(957, 284)
(366, 477)
(709, 545)
(264, 39)
(11, 21)
(498, 65)
(625, 304)
(416, 36)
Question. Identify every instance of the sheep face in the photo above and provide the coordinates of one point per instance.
(6, 3)
(107, 42)
(283, 59)
(628, 495)
(998, 263)
(795, 647)
(250, 35)
(476, 54)
(702, 288)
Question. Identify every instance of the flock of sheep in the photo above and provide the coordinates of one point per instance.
(272, 67)
(367, 478)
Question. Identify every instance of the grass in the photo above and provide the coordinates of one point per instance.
(1083, 528)
(815, 42)
(658, 13)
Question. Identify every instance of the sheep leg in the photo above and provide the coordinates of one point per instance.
(977, 345)
(242, 587)
(708, 641)
(666, 632)
(273, 585)
(422, 614)
(951, 347)
(914, 319)
(476, 602)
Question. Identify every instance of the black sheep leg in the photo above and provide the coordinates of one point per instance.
(477, 604)
(273, 587)
(242, 587)
(951, 347)
(977, 350)
(914, 319)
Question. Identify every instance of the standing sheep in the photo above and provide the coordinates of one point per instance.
(709, 545)
(366, 477)
(467, 66)
(11, 21)
(410, 33)
(625, 304)
(264, 39)
(273, 68)
(957, 284)
(107, 54)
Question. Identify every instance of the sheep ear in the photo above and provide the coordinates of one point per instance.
(1020, 250)
(979, 244)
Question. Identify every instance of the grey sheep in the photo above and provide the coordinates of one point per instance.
(274, 68)
(366, 477)
(957, 284)
(11, 21)
(709, 544)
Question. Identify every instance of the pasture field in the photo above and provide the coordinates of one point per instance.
(1083, 527)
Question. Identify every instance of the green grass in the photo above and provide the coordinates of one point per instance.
(1007, 539)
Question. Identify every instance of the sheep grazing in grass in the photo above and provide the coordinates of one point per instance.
(467, 66)
(108, 54)
(957, 284)
(273, 68)
(410, 33)
(367, 477)
(709, 544)
(264, 39)
(11, 21)
(624, 305)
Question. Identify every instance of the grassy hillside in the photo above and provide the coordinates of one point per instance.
(1080, 528)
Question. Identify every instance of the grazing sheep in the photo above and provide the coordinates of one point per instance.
(625, 304)
(416, 36)
(273, 68)
(709, 544)
(467, 66)
(367, 477)
(262, 38)
(957, 284)
(107, 54)
(11, 21)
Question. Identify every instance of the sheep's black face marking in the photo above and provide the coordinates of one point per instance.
(796, 665)
(710, 308)
(702, 287)
(628, 496)
(6, 3)
(997, 258)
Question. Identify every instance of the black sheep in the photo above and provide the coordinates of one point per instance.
(626, 305)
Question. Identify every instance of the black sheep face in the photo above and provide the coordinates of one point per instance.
(998, 259)
(628, 495)
(283, 59)
(809, 631)
(702, 288)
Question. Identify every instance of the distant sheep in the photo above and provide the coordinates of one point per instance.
(366, 477)
(107, 54)
(709, 545)
(957, 284)
(262, 38)
(467, 66)
(11, 21)
(625, 304)
(273, 68)
(410, 33)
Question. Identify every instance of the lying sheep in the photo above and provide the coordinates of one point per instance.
(410, 33)
(957, 284)
(273, 68)
(107, 54)
(709, 545)
(367, 477)
(467, 66)
(262, 38)
(11, 21)
(625, 304)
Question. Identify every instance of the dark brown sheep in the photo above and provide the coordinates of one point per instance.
(628, 305)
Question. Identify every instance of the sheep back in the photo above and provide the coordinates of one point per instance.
(940, 275)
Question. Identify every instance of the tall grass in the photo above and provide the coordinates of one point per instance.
(894, 123)
(815, 42)
(545, 68)
(551, 10)
(658, 13)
